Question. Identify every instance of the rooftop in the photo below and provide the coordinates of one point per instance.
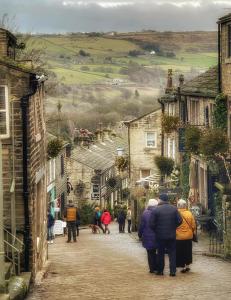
(205, 84)
(100, 155)
(224, 19)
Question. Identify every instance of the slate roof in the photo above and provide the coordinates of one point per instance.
(224, 19)
(100, 155)
(205, 84)
(141, 117)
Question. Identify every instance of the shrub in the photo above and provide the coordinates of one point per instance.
(169, 123)
(87, 214)
(134, 53)
(85, 68)
(165, 165)
(214, 141)
(192, 139)
(54, 147)
(220, 112)
(83, 53)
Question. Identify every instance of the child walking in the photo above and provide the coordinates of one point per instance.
(106, 220)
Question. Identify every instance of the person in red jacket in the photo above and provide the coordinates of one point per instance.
(106, 220)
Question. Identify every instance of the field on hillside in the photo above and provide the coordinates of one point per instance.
(108, 78)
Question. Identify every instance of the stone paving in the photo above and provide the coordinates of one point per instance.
(114, 267)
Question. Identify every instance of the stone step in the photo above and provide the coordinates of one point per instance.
(27, 279)
(4, 297)
(8, 270)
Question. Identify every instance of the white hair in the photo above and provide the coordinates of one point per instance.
(152, 202)
(181, 203)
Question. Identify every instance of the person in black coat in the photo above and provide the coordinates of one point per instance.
(163, 221)
(121, 218)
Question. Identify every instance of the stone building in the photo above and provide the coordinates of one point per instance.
(91, 168)
(57, 179)
(144, 143)
(22, 132)
(192, 103)
(224, 71)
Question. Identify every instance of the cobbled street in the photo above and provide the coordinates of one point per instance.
(114, 267)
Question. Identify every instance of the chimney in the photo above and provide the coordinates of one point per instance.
(169, 82)
(8, 44)
(181, 80)
(106, 134)
(98, 134)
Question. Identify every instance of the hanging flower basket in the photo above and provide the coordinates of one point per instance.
(165, 165)
(169, 123)
(121, 163)
(111, 182)
(54, 147)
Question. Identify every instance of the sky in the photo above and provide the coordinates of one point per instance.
(60, 16)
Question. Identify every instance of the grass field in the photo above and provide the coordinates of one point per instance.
(62, 55)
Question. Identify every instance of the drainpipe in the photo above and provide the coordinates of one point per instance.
(162, 133)
(219, 59)
(24, 107)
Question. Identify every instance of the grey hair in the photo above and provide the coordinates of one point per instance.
(181, 203)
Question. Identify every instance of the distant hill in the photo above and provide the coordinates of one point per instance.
(112, 77)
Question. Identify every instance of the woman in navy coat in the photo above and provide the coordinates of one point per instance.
(147, 235)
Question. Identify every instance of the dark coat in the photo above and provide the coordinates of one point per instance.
(50, 220)
(164, 220)
(145, 232)
(121, 216)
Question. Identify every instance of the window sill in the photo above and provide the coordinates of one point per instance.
(228, 60)
(150, 148)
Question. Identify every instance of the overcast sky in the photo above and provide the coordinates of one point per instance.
(120, 15)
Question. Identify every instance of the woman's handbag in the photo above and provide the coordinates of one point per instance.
(195, 237)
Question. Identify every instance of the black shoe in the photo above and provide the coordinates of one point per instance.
(75, 241)
(172, 274)
(159, 273)
(183, 271)
(68, 241)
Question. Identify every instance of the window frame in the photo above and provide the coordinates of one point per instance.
(7, 112)
(147, 140)
(171, 148)
(229, 41)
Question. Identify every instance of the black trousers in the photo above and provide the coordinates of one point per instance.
(170, 246)
(129, 226)
(71, 230)
(152, 260)
(122, 226)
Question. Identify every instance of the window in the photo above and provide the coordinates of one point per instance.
(194, 112)
(171, 109)
(51, 170)
(145, 173)
(171, 148)
(62, 165)
(229, 40)
(151, 138)
(4, 113)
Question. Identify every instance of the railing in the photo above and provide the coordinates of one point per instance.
(13, 250)
(216, 242)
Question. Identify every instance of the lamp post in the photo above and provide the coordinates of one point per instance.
(2, 253)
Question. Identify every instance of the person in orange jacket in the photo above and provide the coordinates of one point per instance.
(184, 235)
(106, 220)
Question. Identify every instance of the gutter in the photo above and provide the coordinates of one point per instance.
(24, 102)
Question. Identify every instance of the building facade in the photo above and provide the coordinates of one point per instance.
(22, 132)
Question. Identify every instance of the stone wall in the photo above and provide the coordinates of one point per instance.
(18, 83)
(77, 173)
(141, 156)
